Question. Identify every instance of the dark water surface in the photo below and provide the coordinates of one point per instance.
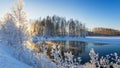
(83, 49)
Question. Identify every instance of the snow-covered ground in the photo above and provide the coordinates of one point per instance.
(105, 37)
(7, 61)
(107, 40)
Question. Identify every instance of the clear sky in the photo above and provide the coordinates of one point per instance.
(94, 13)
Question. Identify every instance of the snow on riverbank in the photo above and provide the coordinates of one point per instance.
(106, 40)
(105, 37)
(7, 61)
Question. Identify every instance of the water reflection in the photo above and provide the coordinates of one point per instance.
(82, 49)
(76, 47)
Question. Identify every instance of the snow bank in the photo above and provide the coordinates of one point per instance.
(106, 40)
(7, 61)
(105, 37)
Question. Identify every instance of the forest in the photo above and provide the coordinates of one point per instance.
(102, 31)
(57, 26)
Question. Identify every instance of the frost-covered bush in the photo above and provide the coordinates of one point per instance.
(65, 60)
(109, 61)
(13, 34)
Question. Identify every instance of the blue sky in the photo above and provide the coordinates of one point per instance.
(94, 13)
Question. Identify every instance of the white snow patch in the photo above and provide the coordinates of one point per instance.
(7, 61)
(107, 40)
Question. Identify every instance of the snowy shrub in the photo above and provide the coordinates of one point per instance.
(109, 61)
(65, 60)
(13, 34)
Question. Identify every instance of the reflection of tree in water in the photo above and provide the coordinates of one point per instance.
(60, 47)
(75, 47)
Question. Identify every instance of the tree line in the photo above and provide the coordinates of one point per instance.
(57, 26)
(100, 31)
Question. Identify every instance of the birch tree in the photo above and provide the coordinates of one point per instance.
(20, 19)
